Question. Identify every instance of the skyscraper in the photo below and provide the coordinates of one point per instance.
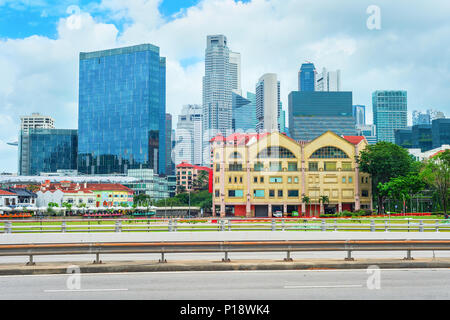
(188, 138)
(268, 106)
(328, 81)
(359, 113)
(121, 118)
(244, 113)
(313, 113)
(170, 167)
(47, 150)
(36, 121)
(307, 77)
(389, 113)
(217, 89)
(235, 70)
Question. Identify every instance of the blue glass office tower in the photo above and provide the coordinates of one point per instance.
(440, 132)
(121, 118)
(389, 113)
(47, 150)
(244, 112)
(313, 113)
(307, 77)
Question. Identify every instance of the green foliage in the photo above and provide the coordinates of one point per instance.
(306, 199)
(53, 205)
(141, 200)
(202, 199)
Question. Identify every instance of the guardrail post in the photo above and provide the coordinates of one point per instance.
(274, 227)
(408, 255)
(372, 226)
(385, 226)
(163, 259)
(229, 225)
(288, 257)
(335, 225)
(282, 225)
(8, 227)
(437, 225)
(349, 256)
(226, 259)
(222, 225)
(323, 227)
(118, 227)
(421, 226)
(63, 226)
(175, 226)
(31, 262)
(97, 258)
(170, 225)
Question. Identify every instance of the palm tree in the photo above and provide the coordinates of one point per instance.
(306, 200)
(323, 200)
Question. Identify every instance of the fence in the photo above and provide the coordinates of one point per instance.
(222, 246)
(179, 225)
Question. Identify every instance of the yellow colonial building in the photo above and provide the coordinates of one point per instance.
(257, 175)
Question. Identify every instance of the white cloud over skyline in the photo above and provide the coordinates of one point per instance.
(411, 52)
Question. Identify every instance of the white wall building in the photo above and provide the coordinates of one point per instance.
(36, 121)
(420, 156)
(235, 70)
(268, 106)
(188, 136)
(328, 80)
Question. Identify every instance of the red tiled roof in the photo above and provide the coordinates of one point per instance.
(436, 153)
(185, 165)
(239, 138)
(354, 139)
(202, 168)
(6, 193)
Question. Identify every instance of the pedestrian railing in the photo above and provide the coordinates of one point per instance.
(226, 247)
(180, 225)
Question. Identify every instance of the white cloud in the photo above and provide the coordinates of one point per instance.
(409, 52)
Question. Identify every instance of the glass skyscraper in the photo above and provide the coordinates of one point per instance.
(122, 110)
(307, 77)
(244, 113)
(313, 113)
(47, 150)
(389, 113)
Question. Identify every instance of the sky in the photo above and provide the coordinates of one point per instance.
(401, 45)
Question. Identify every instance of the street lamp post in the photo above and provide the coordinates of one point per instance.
(189, 212)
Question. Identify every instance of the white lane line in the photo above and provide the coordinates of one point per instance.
(85, 290)
(337, 286)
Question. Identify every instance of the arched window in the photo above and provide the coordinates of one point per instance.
(329, 153)
(276, 153)
(235, 155)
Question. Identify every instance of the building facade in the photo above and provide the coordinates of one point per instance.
(188, 176)
(149, 183)
(188, 136)
(121, 118)
(268, 105)
(369, 131)
(313, 113)
(36, 121)
(440, 132)
(168, 135)
(359, 113)
(259, 175)
(389, 113)
(47, 150)
(244, 113)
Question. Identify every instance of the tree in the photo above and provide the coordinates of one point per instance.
(403, 187)
(306, 200)
(201, 183)
(323, 200)
(436, 172)
(384, 161)
(141, 200)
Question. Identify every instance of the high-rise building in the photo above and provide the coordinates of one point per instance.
(420, 118)
(359, 113)
(36, 121)
(328, 81)
(121, 118)
(313, 113)
(189, 135)
(307, 77)
(268, 105)
(244, 113)
(170, 166)
(47, 150)
(282, 121)
(235, 70)
(389, 113)
(368, 131)
(440, 132)
(217, 89)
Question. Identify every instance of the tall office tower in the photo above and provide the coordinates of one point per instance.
(282, 120)
(359, 113)
(47, 150)
(235, 70)
(313, 113)
(268, 105)
(440, 132)
(389, 113)
(244, 113)
(121, 118)
(217, 89)
(368, 131)
(36, 121)
(170, 166)
(421, 118)
(189, 135)
(328, 80)
(307, 77)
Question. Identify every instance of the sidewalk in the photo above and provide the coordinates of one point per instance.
(170, 266)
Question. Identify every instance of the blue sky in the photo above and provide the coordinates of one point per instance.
(39, 49)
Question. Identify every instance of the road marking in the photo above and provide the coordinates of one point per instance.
(337, 286)
(85, 290)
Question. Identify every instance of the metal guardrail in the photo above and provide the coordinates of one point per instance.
(174, 225)
(222, 247)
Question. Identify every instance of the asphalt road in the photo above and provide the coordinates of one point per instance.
(234, 285)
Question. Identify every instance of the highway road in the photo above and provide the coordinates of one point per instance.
(233, 285)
